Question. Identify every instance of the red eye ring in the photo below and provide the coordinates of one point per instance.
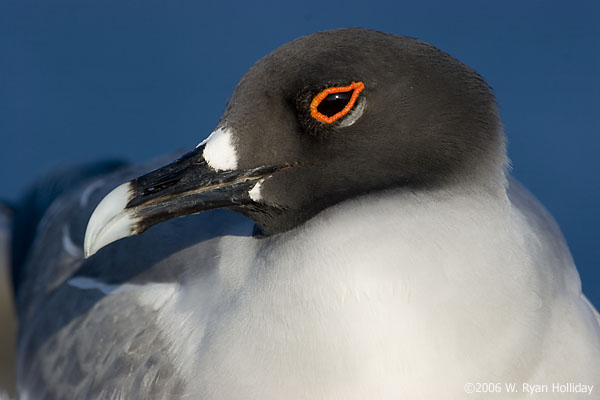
(356, 86)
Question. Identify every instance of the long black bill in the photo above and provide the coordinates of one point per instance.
(186, 186)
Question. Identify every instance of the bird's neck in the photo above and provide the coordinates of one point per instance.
(399, 285)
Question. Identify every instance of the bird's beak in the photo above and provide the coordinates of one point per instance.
(186, 186)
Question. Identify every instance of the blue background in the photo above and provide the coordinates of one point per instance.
(82, 80)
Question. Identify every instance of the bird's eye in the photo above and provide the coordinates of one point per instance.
(335, 102)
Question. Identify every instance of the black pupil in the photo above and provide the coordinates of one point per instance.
(334, 103)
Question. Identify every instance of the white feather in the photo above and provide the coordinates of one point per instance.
(400, 295)
(254, 193)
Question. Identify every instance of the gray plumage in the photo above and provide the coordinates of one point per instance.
(380, 253)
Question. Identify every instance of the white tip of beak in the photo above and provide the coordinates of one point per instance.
(110, 221)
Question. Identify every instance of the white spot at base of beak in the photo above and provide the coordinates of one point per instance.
(110, 221)
(219, 152)
(254, 193)
(205, 140)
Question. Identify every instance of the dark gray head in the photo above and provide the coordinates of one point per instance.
(422, 120)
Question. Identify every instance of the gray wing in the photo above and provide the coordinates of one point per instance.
(548, 232)
(78, 340)
(8, 322)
